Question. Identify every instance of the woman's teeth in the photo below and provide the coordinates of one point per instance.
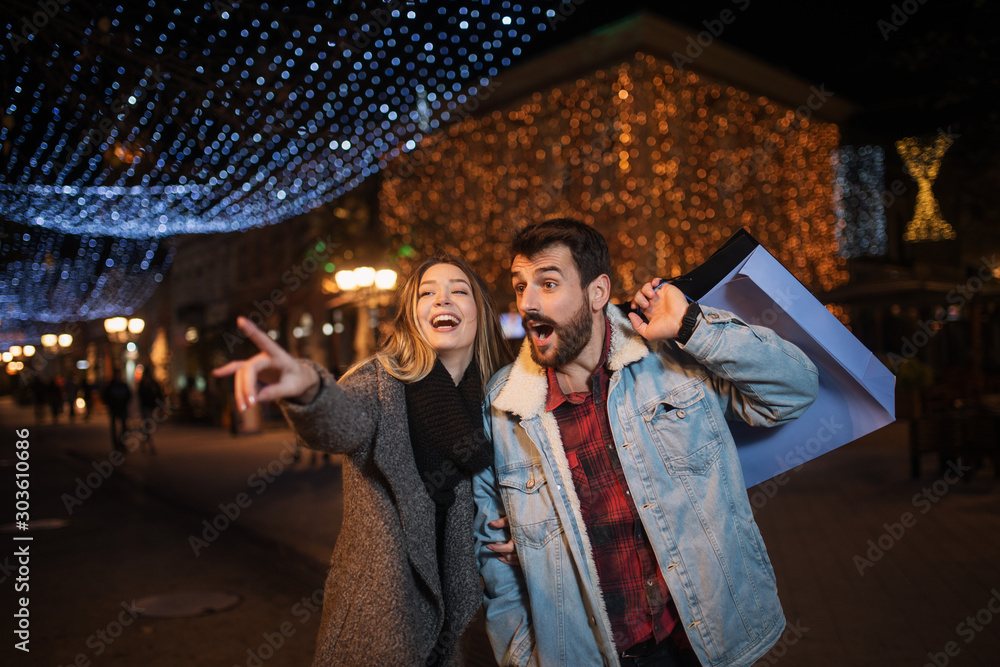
(443, 321)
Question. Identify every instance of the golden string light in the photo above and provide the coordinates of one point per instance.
(666, 164)
(922, 162)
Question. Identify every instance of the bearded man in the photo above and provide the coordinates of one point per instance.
(618, 475)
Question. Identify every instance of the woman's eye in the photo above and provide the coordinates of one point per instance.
(459, 291)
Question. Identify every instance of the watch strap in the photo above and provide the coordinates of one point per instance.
(688, 323)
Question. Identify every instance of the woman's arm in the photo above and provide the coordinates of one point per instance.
(340, 418)
(325, 415)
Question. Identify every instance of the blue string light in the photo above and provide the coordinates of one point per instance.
(51, 277)
(858, 199)
(152, 119)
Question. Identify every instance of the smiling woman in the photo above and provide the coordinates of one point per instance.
(446, 314)
(408, 422)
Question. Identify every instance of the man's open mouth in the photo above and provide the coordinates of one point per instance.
(541, 330)
(445, 322)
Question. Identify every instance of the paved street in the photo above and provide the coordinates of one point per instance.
(873, 568)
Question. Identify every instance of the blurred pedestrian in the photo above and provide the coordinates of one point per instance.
(403, 583)
(54, 395)
(39, 397)
(116, 397)
(70, 392)
(150, 396)
(87, 389)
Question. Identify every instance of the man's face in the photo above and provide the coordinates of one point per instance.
(553, 305)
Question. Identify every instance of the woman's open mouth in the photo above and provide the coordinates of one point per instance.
(444, 322)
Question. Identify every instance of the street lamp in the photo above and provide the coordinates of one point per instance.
(122, 330)
(365, 276)
(115, 325)
(385, 279)
(368, 283)
(346, 281)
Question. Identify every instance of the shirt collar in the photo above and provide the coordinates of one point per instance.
(556, 397)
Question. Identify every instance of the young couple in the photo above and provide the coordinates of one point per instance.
(602, 449)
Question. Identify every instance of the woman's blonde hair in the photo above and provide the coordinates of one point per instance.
(406, 354)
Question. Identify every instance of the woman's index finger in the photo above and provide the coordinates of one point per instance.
(263, 342)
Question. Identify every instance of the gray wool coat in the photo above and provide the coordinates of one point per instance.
(385, 603)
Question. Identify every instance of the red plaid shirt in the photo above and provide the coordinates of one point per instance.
(635, 593)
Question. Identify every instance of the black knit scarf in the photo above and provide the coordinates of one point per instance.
(446, 429)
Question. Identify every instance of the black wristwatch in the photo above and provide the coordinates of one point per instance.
(688, 323)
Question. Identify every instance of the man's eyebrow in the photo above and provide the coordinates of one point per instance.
(543, 269)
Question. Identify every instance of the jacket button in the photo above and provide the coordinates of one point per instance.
(593, 621)
(531, 482)
(681, 414)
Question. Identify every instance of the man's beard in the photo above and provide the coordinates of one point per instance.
(571, 337)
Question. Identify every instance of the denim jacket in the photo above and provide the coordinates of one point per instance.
(667, 408)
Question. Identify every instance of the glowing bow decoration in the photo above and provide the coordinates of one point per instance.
(922, 164)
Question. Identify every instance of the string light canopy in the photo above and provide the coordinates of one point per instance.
(923, 162)
(667, 164)
(51, 277)
(155, 118)
(859, 187)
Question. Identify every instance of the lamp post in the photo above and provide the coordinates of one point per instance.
(10, 357)
(122, 331)
(369, 284)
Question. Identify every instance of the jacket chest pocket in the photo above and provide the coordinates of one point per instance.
(528, 498)
(684, 430)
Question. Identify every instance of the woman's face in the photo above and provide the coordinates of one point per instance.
(446, 310)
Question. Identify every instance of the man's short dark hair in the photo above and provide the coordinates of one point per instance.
(586, 245)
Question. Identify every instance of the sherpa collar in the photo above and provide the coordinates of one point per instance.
(526, 388)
